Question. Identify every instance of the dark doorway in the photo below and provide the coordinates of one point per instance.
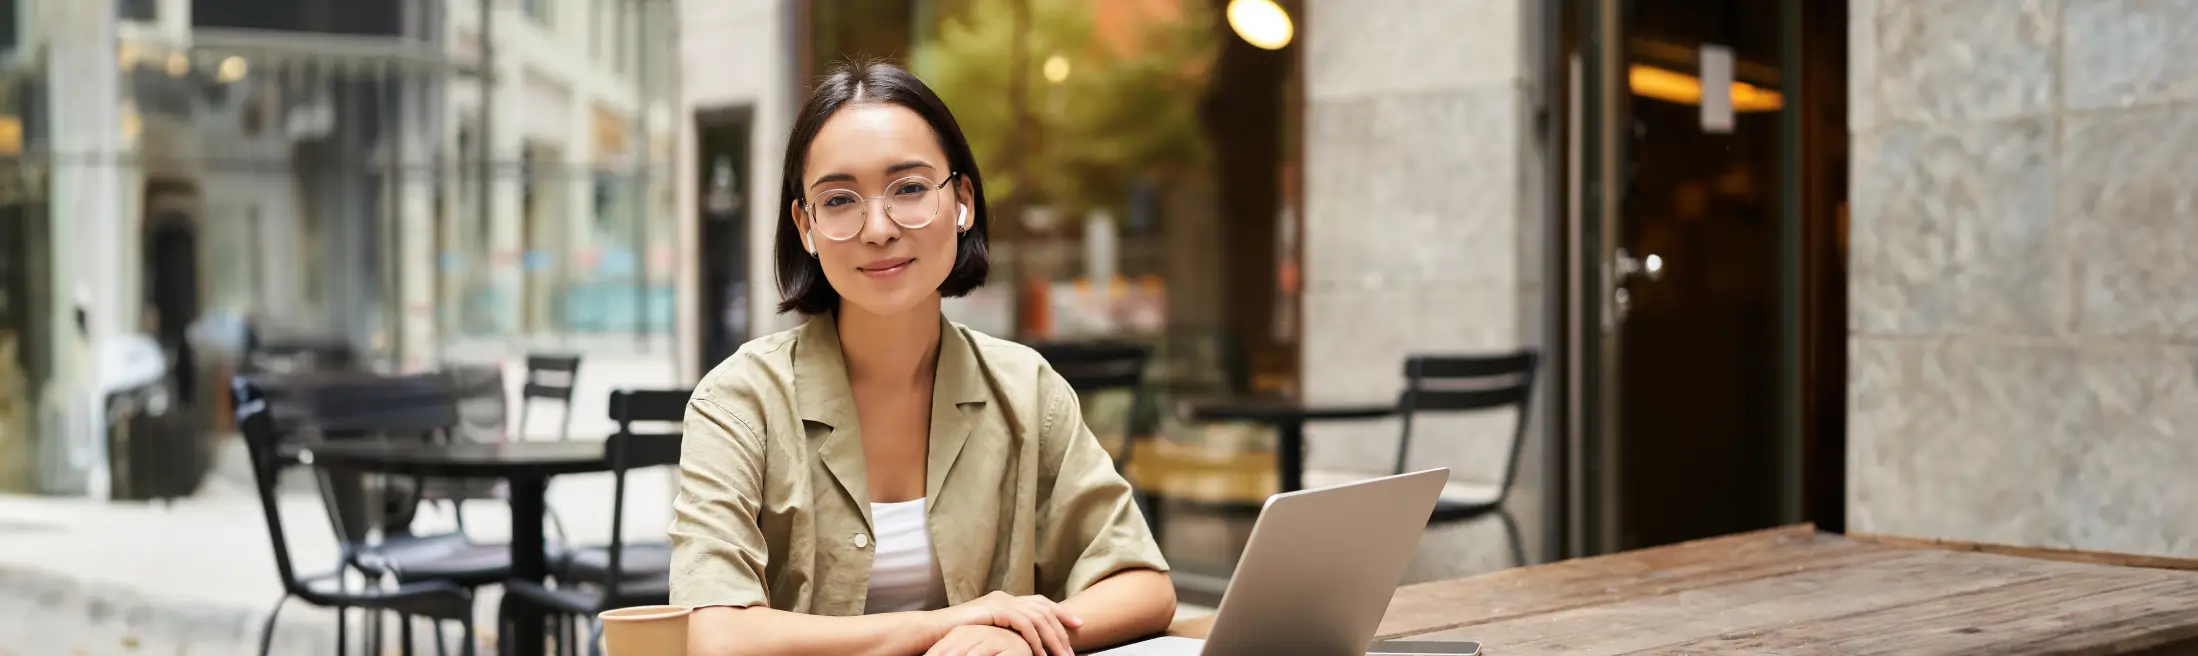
(171, 284)
(1703, 295)
(721, 161)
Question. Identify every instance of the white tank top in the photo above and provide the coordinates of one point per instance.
(904, 572)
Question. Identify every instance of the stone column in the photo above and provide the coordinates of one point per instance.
(1418, 232)
(2024, 282)
(505, 185)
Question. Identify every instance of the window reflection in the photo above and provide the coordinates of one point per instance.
(1135, 160)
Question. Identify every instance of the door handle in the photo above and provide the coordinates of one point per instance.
(1623, 268)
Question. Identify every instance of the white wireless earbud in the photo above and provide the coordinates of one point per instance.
(811, 245)
(963, 220)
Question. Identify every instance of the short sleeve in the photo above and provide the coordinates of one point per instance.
(718, 550)
(1091, 527)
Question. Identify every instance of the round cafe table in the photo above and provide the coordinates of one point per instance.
(525, 466)
(1288, 418)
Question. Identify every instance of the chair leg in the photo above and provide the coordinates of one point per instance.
(404, 634)
(267, 631)
(441, 648)
(465, 630)
(343, 631)
(373, 633)
(457, 513)
(1511, 527)
(557, 525)
(595, 637)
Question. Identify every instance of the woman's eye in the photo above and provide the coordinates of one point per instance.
(836, 201)
(911, 188)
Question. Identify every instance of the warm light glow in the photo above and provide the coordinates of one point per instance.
(1261, 23)
(1655, 263)
(1056, 69)
(131, 123)
(178, 65)
(231, 70)
(11, 136)
(1673, 86)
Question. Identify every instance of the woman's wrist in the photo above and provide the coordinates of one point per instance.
(934, 624)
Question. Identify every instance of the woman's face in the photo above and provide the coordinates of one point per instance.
(873, 171)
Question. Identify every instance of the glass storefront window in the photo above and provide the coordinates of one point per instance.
(26, 299)
(1127, 205)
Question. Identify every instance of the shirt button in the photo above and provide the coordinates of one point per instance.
(862, 541)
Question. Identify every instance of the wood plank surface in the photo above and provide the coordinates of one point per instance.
(1795, 590)
(1646, 624)
(1439, 605)
(2099, 610)
(2043, 553)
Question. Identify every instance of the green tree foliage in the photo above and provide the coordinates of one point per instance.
(1117, 119)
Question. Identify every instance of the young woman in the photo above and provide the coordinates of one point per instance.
(881, 480)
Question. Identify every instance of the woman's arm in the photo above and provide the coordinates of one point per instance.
(1128, 605)
(760, 630)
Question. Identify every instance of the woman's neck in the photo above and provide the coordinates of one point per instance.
(897, 349)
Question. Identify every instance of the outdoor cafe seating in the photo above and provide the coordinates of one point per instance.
(379, 447)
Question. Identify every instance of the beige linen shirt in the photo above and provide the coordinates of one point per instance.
(774, 507)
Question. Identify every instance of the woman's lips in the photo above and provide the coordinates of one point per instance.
(886, 268)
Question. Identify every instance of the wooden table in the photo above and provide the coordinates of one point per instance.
(1794, 590)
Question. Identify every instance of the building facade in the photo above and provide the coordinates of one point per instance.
(401, 177)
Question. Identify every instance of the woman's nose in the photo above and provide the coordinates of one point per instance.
(877, 223)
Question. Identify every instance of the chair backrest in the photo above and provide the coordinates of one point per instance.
(366, 403)
(1468, 383)
(628, 449)
(1095, 367)
(550, 378)
(479, 395)
(354, 406)
(256, 422)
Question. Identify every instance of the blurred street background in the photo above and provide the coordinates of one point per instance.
(1926, 268)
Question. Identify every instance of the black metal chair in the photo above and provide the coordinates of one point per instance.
(595, 579)
(1459, 384)
(397, 407)
(439, 601)
(549, 378)
(1091, 368)
(483, 414)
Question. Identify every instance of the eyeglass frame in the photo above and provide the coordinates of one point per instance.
(808, 207)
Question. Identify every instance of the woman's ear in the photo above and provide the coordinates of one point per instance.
(967, 195)
(801, 225)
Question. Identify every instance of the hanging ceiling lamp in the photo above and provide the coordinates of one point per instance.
(1261, 23)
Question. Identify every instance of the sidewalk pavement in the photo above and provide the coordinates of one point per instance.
(82, 577)
(198, 577)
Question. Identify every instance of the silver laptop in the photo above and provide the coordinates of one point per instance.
(1319, 571)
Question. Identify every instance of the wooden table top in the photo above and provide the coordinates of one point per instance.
(1796, 590)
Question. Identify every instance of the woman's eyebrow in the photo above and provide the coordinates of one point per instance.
(890, 170)
(910, 164)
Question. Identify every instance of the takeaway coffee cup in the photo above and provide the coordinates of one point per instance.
(645, 631)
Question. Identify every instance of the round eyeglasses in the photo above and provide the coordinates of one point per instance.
(911, 202)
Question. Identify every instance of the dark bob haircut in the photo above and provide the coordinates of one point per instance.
(801, 283)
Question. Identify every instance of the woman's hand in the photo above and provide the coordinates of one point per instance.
(1041, 623)
(981, 640)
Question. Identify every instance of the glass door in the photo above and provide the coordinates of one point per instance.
(1679, 326)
